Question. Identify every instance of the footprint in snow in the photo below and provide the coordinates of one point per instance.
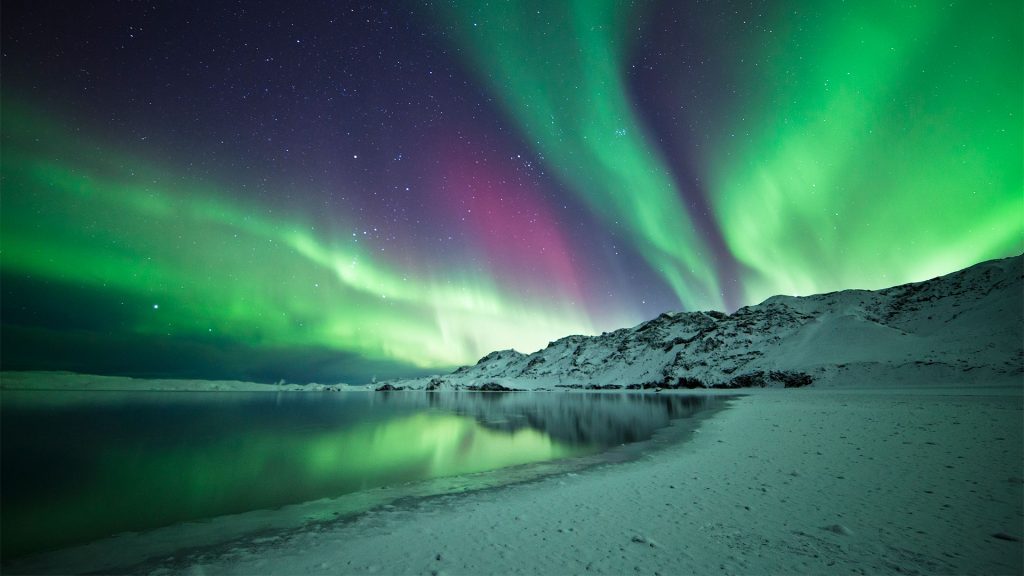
(642, 540)
(838, 529)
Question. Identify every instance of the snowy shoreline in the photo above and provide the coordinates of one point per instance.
(922, 480)
(71, 381)
(784, 481)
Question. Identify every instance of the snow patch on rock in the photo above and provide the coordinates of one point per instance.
(960, 328)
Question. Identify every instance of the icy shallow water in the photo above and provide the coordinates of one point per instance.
(77, 467)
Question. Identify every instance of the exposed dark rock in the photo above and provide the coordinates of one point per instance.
(754, 379)
(389, 388)
(709, 344)
(760, 379)
(535, 361)
(792, 379)
(495, 387)
(690, 383)
(745, 349)
(434, 384)
(673, 343)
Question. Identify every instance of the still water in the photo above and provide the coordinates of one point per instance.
(81, 466)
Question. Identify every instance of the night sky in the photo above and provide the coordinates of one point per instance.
(330, 191)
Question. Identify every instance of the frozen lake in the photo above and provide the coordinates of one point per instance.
(79, 467)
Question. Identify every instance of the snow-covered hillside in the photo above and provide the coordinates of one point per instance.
(964, 327)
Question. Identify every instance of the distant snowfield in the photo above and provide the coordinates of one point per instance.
(916, 481)
(86, 382)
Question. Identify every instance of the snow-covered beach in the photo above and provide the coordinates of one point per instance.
(869, 480)
(901, 451)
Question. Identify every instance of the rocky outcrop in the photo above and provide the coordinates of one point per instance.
(966, 326)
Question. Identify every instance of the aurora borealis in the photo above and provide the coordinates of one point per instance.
(334, 191)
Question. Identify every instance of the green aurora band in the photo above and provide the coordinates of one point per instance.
(872, 144)
(213, 269)
(868, 144)
(880, 145)
(561, 80)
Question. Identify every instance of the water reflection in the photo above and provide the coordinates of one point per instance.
(76, 468)
(602, 420)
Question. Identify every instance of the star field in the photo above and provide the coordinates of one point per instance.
(337, 190)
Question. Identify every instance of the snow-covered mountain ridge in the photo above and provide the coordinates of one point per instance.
(964, 327)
